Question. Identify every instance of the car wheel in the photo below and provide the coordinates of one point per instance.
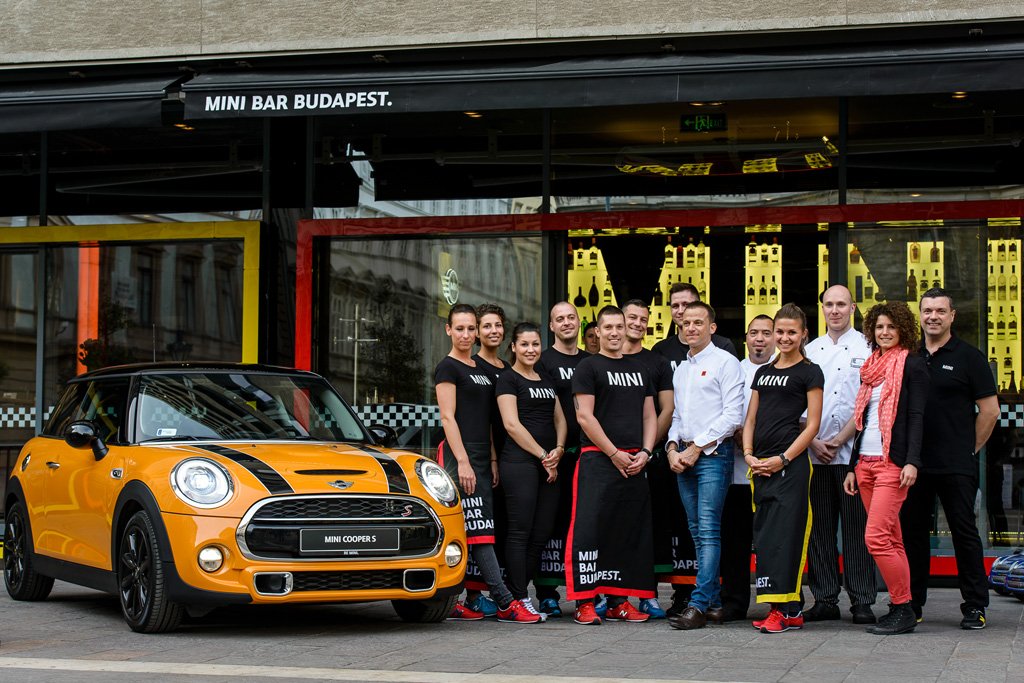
(22, 580)
(141, 581)
(425, 611)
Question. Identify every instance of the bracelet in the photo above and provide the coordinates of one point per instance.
(558, 445)
(746, 453)
(647, 451)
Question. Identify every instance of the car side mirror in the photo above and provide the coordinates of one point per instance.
(384, 435)
(82, 434)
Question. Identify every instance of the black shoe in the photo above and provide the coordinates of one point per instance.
(974, 620)
(900, 619)
(733, 614)
(677, 608)
(862, 614)
(822, 612)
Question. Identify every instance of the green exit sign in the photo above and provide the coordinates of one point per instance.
(703, 123)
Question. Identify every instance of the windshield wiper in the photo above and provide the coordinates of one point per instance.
(182, 437)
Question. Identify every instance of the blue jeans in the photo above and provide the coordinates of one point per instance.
(702, 489)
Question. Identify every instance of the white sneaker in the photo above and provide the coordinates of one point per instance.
(528, 604)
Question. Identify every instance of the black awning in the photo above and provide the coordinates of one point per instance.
(82, 104)
(766, 74)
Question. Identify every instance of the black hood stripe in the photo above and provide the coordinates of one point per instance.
(267, 475)
(397, 481)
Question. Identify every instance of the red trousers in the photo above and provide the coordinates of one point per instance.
(879, 484)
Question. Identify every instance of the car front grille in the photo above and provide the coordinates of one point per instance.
(347, 581)
(273, 528)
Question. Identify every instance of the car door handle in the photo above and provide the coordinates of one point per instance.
(53, 465)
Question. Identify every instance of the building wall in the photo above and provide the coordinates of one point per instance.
(52, 31)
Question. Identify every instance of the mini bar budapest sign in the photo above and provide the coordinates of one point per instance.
(295, 102)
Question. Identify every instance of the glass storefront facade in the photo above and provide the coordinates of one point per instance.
(374, 224)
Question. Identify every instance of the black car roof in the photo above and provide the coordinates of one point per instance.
(188, 366)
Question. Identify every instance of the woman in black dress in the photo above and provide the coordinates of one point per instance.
(465, 396)
(528, 463)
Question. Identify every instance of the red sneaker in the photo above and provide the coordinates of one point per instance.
(462, 613)
(586, 615)
(626, 612)
(796, 622)
(761, 622)
(518, 614)
(777, 623)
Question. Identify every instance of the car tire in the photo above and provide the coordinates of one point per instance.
(142, 587)
(22, 580)
(429, 611)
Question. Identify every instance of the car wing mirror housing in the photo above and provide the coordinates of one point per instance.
(384, 435)
(83, 434)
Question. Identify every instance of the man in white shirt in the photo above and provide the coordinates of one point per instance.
(738, 513)
(840, 353)
(708, 388)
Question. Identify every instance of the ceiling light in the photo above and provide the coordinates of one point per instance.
(959, 95)
(473, 114)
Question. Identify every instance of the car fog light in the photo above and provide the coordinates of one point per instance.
(452, 554)
(211, 558)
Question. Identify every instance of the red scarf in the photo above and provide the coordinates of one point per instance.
(878, 368)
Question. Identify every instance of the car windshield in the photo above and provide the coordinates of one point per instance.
(228, 405)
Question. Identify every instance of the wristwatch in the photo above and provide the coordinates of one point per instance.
(785, 461)
(647, 451)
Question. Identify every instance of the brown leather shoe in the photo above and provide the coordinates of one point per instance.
(690, 619)
(716, 615)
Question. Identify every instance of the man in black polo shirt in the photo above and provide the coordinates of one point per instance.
(960, 380)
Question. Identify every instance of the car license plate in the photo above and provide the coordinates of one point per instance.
(348, 540)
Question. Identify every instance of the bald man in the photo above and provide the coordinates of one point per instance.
(840, 353)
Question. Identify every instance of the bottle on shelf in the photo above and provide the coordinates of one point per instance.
(775, 250)
(606, 297)
(670, 254)
(1012, 385)
(702, 254)
(658, 296)
(593, 297)
(773, 292)
(1011, 324)
(991, 325)
(858, 288)
(915, 252)
(1001, 284)
(991, 281)
(580, 258)
(752, 252)
(1013, 290)
(702, 289)
(762, 293)
(690, 254)
(764, 253)
(911, 286)
(751, 291)
(937, 280)
(679, 256)
(1000, 324)
(1008, 363)
(579, 301)
(572, 257)
(583, 326)
(1000, 250)
(934, 255)
(593, 252)
(869, 289)
(824, 256)
(1012, 250)
(854, 254)
(922, 285)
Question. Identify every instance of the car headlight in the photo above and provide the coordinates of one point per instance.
(437, 483)
(201, 482)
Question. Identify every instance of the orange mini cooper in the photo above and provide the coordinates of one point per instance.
(184, 487)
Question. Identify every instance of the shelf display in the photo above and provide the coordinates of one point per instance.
(822, 283)
(1004, 310)
(925, 269)
(682, 263)
(589, 287)
(863, 285)
(763, 273)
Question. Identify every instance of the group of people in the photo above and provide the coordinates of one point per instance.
(625, 466)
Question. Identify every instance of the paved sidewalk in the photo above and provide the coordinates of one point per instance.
(78, 635)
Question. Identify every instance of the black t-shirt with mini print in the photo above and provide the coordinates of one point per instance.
(619, 387)
(474, 396)
(781, 401)
(535, 404)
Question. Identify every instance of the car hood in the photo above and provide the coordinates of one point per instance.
(284, 467)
